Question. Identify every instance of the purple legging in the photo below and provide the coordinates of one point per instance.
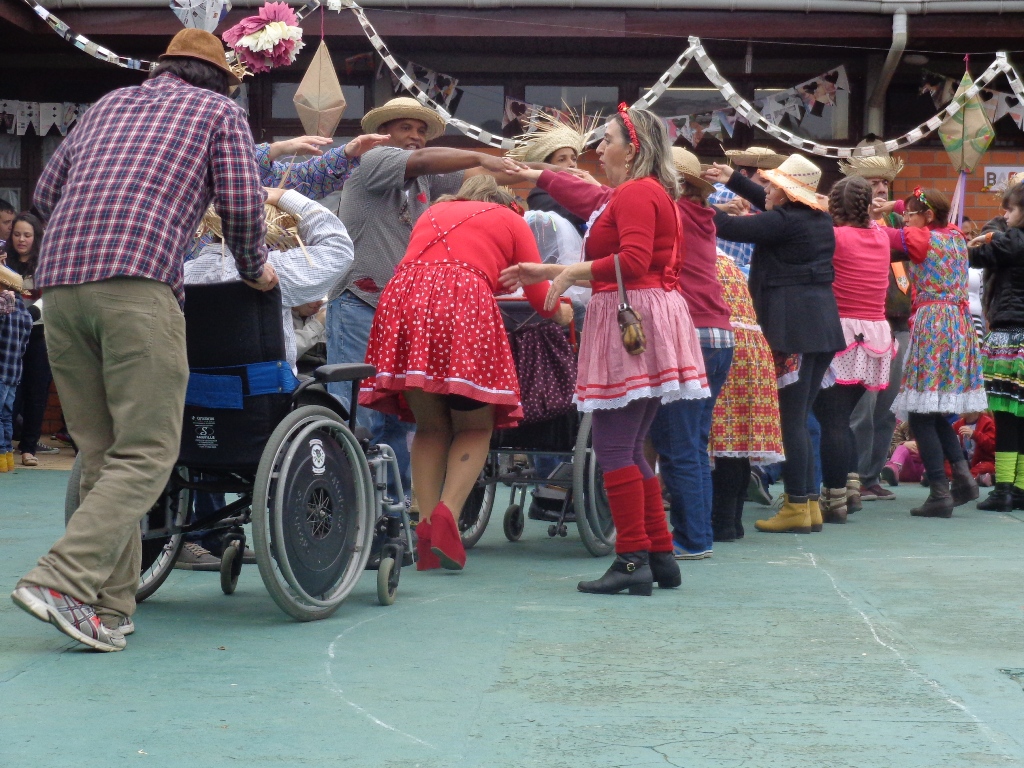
(619, 435)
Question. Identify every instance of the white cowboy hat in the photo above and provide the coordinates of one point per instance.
(403, 107)
(689, 167)
(798, 177)
(755, 157)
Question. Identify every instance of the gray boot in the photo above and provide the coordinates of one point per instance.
(964, 488)
(939, 502)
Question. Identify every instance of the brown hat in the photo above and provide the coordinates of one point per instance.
(202, 45)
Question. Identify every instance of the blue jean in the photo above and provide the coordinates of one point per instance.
(7, 394)
(349, 320)
(680, 435)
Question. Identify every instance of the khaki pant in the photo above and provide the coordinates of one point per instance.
(117, 349)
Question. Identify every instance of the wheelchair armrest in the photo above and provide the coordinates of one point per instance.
(343, 372)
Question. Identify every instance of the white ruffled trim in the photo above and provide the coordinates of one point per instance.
(757, 458)
(667, 393)
(938, 402)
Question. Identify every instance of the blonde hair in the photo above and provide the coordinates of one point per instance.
(654, 158)
(482, 188)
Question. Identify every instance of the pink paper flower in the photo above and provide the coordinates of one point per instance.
(271, 39)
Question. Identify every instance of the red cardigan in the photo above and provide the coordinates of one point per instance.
(698, 276)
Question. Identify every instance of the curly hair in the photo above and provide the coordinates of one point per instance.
(849, 202)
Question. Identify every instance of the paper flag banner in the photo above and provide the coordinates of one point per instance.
(200, 14)
(319, 99)
(50, 114)
(967, 133)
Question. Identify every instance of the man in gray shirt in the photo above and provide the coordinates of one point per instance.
(394, 184)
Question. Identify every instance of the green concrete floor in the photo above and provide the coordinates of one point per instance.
(878, 643)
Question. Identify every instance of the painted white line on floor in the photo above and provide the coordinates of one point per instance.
(992, 736)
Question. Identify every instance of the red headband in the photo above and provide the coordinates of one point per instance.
(624, 114)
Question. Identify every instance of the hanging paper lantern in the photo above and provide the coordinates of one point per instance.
(271, 39)
(319, 99)
(967, 134)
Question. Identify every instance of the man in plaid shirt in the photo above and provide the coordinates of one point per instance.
(123, 195)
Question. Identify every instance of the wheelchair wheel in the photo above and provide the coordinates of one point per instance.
(312, 513)
(159, 550)
(514, 522)
(476, 512)
(387, 581)
(593, 514)
(230, 566)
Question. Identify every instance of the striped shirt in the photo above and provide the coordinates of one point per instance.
(125, 191)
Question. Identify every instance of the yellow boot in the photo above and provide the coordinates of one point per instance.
(817, 523)
(10, 461)
(792, 517)
(3, 463)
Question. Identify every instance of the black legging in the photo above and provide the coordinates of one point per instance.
(795, 401)
(935, 440)
(834, 407)
(1009, 432)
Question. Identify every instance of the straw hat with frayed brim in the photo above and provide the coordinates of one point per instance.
(401, 108)
(282, 228)
(551, 134)
(689, 167)
(200, 44)
(798, 177)
(877, 167)
(755, 157)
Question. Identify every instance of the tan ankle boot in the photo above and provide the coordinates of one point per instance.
(792, 517)
(853, 502)
(814, 508)
(833, 504)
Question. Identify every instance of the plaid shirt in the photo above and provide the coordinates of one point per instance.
(740, 253)
(315, 178)
(125, 192)
(15, 327)
(716, 338)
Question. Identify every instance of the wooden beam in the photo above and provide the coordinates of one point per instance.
(18, 14)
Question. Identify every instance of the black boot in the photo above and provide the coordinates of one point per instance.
(1018, 498)
(939, 502)
(723, 514)
(999, 499)
(630, 570)
(665, 570)
(964, 488)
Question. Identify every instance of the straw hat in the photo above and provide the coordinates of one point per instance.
(689, 167)
(403, 107)
(282, 229)
(200, 44)
(551, 134)
(798, 177)
(755, 157)
(879, 166)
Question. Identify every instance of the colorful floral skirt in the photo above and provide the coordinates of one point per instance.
(746, 417)
(943, 369)
(671, 368)
(438, 328)
(1003, 370)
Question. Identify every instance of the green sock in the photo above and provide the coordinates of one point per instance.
(1006, 466)
(1019, 479)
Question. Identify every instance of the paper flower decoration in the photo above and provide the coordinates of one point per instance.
(270, 39)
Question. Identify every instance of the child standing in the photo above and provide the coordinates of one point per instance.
(943, 371)
(15, 327)
(1001, 254)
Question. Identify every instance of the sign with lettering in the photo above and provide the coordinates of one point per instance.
(995, 176)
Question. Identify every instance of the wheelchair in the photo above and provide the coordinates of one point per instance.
(306, 478)
(578, 483)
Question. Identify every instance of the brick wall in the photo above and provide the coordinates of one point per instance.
(932, 168)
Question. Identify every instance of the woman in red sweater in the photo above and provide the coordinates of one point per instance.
(638, 225)
(861, 265)
(441, 353)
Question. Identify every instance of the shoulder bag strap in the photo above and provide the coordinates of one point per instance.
(623, 303)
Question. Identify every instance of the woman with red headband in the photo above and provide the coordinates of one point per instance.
(942, 375)
(638, 227)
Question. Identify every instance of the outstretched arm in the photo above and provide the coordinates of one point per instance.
(437, 160)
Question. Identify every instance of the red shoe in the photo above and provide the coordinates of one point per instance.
(445, 541)
(425, 559)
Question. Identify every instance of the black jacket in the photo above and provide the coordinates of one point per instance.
(791, 271)
(1003, 262)
(540, 200)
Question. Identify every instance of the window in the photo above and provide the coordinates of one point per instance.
(481, 105)
(283, 108)
(689, 101)
(599, 99)
(824, 123)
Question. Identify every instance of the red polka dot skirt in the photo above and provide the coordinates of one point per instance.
(439, 329)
